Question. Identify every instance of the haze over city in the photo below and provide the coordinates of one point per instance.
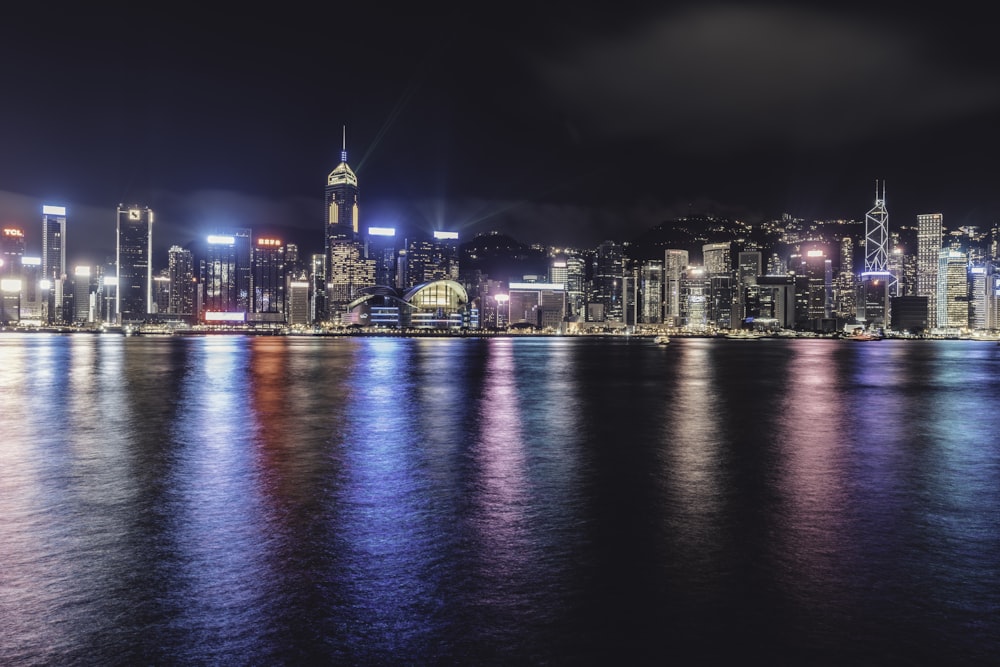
(558, 124)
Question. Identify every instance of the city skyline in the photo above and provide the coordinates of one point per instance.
(565, 128)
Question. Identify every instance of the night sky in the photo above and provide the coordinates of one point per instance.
(558, 125)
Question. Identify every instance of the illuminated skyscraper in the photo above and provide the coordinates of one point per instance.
(675, 263)
(381, 249)
(930, 234)
(133, 263)
(876, 280)
(952, 290)
(180, 270)
(268, 282)
(83, 296)
(220, 279)
(54, 242)
(607, 300)
(11, 251)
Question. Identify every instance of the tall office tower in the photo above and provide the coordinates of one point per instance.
(269, 276)
(54, 242)
(133, 263)
(11, 251)
(952, 290)
(651, 291)
(844, 291)
(54, 258)
(350, 272)
(83, 296)
(607, 302)
(675, 263)
(978, 298)
(381, 249)
(992, 297)
(161, 292)
(930, 239)
(180, 270)
(34, 290)
(717, 261)
(876, 281)
(317, 289)
(557, 270)
(224, 296)
(341, 198)
(576, 279)
(446, 255)
(420, 263)
(695, 293)
(749, 265)
(298, 303)
(717, 258)
(814, 284)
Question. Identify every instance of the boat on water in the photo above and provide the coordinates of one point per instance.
(862, 336)
(662, 339)
(744, 334)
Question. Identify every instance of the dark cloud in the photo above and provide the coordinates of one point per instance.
(717, 79)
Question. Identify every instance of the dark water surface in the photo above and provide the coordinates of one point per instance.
(276, 500)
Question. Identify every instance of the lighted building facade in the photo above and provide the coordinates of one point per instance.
(183, 285)
(952, 291)
(268, 280)
(133, 261)
(930, 237)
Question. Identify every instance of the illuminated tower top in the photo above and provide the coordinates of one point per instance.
(342, 173)
(341, 198)
(877, 235)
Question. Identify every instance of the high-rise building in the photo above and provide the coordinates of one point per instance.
(675, 263)
(576, 281)
(180, 270)
(269, 276)
(978, 298)
(350, 272)
(651, 291)
(608, 283)
(11, 251)
(134, 265)
(161, 292)
(341, 198)
(952, 291)
(34, 291)
(83, 296)
(317, 290)
(54, 242)
(298, 303)
(381, 249)
(225, 276)
(54, 259)
(930, 236)
(749, 266)
(876, 285)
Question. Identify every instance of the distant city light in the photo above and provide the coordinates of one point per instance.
(10, 285)
(221, 240)
(266, 242)
(82, 272)
(381, 231)
(31, 261)
(110, 281)
(446, 235)
(53, 210)
(814, 253)
(11, 231)
(45, 283)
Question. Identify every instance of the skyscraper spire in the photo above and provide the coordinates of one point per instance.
(343, 147)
